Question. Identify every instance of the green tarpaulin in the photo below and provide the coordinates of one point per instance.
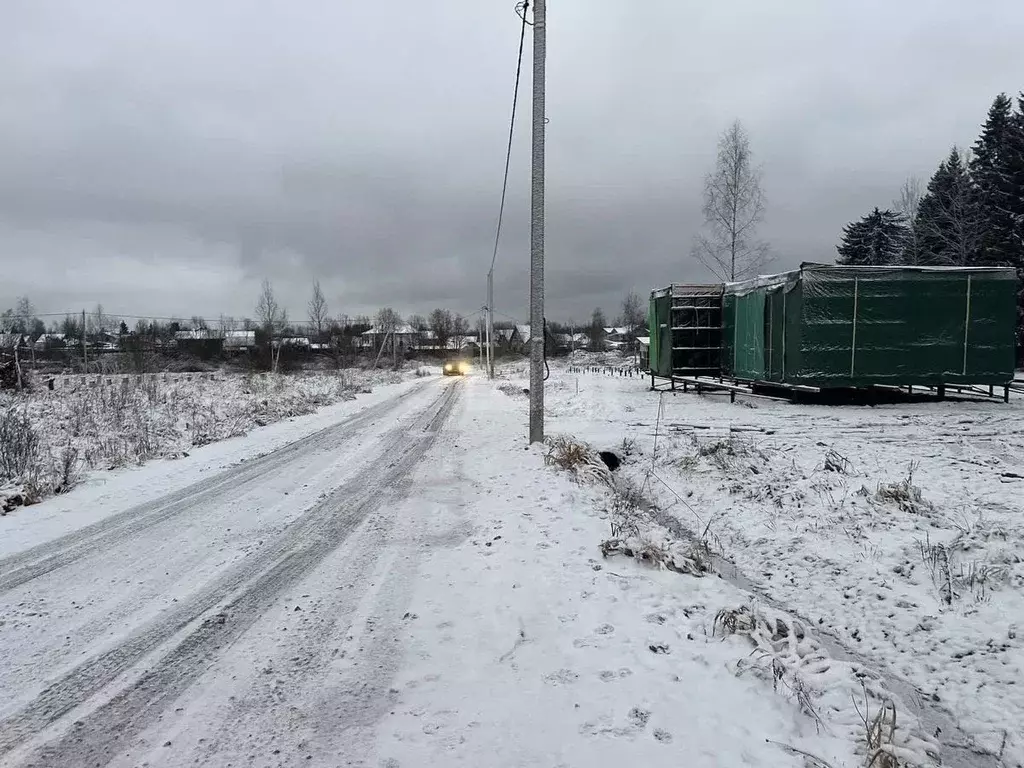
(839, 326)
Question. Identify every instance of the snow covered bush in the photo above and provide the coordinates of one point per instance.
(795, 663)
(904, 494)
(19, 444)
(578, 458)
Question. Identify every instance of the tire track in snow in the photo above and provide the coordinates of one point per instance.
(334, 682)
(250, 588)
(53, 555)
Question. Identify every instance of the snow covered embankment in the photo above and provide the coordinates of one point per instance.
(914, 565)
(48, 438)
(841, 700)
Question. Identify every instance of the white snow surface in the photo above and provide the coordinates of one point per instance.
(895, 531)
(398, 581)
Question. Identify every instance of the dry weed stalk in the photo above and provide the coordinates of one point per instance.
(879, 733)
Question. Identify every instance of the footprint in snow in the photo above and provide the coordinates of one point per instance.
(603, 727)
(608, 675)
(639, 717)
(663, 736)
(561, 677)
(605, 629)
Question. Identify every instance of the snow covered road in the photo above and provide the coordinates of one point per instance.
(106, 627)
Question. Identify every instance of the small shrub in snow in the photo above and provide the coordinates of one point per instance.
(634, 532)
(69, 469)
(904, 494)
(512, 390)
(725, 455)
(19, 444)
(577, 457)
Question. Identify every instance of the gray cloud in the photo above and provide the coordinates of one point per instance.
(164, 157)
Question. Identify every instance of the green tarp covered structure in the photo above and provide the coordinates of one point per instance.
(829, 326)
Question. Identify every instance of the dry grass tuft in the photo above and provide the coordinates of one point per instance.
(904, 494)
(836, 462)
(693, 559)
(636, 534)
(970, 564)
(578, 458)
(512, 390)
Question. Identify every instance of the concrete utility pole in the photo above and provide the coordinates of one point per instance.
(85, 352)
(537, 228)
(490, 323)
(480, 340)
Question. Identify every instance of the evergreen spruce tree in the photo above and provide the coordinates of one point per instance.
(1015, 202)
(929, 221)
(992, 173)
(878, 239)
(949, 225)
(1016, 164)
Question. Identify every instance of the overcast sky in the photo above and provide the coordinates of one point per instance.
(163, 157)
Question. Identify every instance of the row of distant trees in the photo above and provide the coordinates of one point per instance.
(632, 318)
(270, 316)
(271, 321)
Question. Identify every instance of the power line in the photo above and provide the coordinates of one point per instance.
(185, 319)
(509, 317)
(521, 10)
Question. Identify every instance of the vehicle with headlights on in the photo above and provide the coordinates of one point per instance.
(456, 368)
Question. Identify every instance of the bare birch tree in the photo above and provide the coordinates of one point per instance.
(273, 319)
(460, 329)
(953, 222)
(25, 313)
(909, 203)
(633, 318)
(733, 207)
(388, 322)
(98, 321)
(317, 311)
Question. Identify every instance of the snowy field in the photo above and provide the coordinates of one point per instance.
(893, 534)
(50, 438)
(397, 581)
